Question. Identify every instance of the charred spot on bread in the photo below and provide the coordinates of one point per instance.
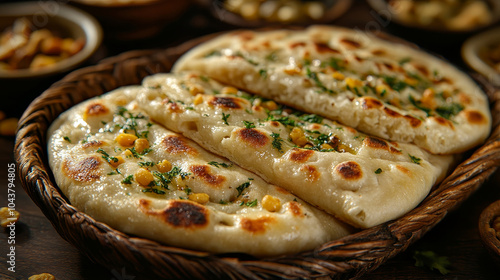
(253, 137)
(311, 172)
(371, 103)
(475, 117)
(86, 170)
(256, 226)
(179, 214)
(300, 155)
(178, 145)
(204, 172)
(349, 170)
(226, 102)
(96, 109)
(324, 48)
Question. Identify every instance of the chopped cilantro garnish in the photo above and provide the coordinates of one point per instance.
(251, 203)
(419, 105)
(394, 83)
(432, 261)
(415, 159)
(312, 118)
(277, 142)
(249, 60)
(128, 179)
(242, 187)
(220, 164)
(188, 190)
(263, 73)
(378, 171)
(66, 138)
(314, 76)
(272, 56)
(223, 202)
(204, 78)
(106, 156)
(404, 60)
(249, 124)
(153, 190)
(225, 117)
(147, 164)
(213, 53)
(336, 64)
(164, 179)
(447, 111)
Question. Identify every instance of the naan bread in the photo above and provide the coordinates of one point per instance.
(164, 187)
(361, 179)
(378, 87)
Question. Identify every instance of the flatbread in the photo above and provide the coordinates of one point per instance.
(382, 88)
(361, 179)
(201, 202)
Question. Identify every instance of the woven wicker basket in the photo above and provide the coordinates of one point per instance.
(349, 257)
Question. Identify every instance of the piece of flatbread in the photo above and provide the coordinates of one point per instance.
(361, 179)
(379, 87)
(165, 187)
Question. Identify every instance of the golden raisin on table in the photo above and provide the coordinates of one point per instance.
(43, 276)
(8, 216)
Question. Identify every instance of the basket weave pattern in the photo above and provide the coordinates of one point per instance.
(347, 258)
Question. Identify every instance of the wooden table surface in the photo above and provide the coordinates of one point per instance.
(39, 248)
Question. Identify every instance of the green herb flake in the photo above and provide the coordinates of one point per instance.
(312, 118)
(314, 76)
(263, 73)
(419, 105)
(128, 179)
(106, 156)
(242, 187)
(415, 159)
(432, 261)
(277, 142)
(251, 203)
(153, 190)
(405, 60)
(147, 164)
(394, 83)
(66, 138)
(220, 164)
(225, 117)
(378, 171)
(249, 124)
(272, 56)
(213, 53)
(450, 110)
(188, 191)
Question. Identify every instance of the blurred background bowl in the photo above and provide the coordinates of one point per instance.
(133, 19)
(61, 19)
(477, 50)
(261, 13)
(436, 33)
(489, 230)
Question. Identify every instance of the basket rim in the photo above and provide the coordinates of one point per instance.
(351, 256)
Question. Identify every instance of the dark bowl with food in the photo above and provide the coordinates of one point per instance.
(133, 19)
(436, 24)
(41, 39)
(489, 229)
(254, 13)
